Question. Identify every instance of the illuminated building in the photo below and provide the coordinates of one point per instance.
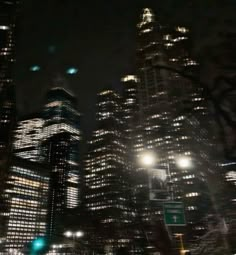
(130, 109)
(228, 188)
(26, 196)
(174, 115)
(61, 131)
(28, 136)
(107, 179)
(8, 11)
(8, 15)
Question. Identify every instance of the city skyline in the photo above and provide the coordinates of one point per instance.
(107, 48)
(126, 144)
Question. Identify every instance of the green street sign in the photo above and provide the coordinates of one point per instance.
(174, 214)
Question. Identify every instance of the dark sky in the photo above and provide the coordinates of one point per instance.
(99, 38)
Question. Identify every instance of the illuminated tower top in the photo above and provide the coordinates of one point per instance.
(147, 17)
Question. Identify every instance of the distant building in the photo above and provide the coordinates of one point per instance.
(26, 198)
(227, 200)
(28, 137)
(8, 16)
(107, 177)
(174, 116)
(61, 136)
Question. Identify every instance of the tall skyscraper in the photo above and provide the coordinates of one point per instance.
(174, 115)
(107, 197)
(148, 234)
(8, 14)
(61, 133)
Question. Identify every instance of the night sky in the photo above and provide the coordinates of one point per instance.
(99, 38)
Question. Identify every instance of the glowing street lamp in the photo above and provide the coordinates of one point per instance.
(184, 162)
(74, 235)
(147, 159)
(68, 234)
(79, 234)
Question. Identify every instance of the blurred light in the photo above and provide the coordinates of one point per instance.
(4, 27)
(72, 70)
(68, 234)
(51, 49)
(38, 244)
(79, 234)
(184, 162)
(147, 159)
(34, 68)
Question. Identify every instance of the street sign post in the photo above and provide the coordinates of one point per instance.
(174, 214)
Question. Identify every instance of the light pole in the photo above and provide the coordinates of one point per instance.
(74, 235)
(148, 159)
(182, 249)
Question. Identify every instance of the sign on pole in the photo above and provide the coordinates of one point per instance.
(174, 214)
(158, 190)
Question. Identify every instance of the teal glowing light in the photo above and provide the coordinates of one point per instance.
(38, 244)
(72, 70)
(34, 68)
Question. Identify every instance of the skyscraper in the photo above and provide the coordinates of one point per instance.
(174, 115)
(7, 56)
(26, 199)
(8, 14)
(148, 233)
(61, 131)
(107, 197)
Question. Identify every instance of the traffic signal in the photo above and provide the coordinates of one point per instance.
(38, 245)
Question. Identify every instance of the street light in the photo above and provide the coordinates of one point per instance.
(74, 235)
(79, 234)
(68, 234)
(184, 162)
(147, 159)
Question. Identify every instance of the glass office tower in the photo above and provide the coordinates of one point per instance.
(61, 132)
(107, 178)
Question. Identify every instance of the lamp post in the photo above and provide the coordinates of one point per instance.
(148, 160)
(74, 235)
(182, 249)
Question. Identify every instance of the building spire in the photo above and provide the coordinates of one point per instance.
(147, 17)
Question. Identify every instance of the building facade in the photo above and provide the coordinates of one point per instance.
(28, 136)
(26, 198)
(8, 15)
(174, 116)
(61, 131)
(107, 177)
